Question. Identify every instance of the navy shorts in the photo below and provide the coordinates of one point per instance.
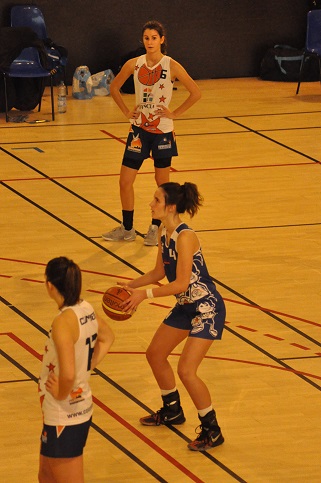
(204, 319)
(64, 441)
(142, 144)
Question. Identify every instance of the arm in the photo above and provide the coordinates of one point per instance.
(126, 71)
(187, 245)
(104, 341)
(65, 333)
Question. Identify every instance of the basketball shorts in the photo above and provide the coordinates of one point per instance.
(64, 441)
(203, 319)
(142, 144)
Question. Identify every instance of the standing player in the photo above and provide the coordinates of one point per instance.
(77, 342)
(151, 131)
(198, 315)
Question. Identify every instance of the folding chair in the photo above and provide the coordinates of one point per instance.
(312, 43)
(26, 65)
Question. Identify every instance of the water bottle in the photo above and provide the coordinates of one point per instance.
(62, 97)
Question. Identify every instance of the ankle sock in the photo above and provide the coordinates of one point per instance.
(156, 222)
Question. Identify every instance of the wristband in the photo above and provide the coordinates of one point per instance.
(149, 293)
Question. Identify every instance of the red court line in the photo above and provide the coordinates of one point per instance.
(264, 309)
(147, 441)
(23, 344)
(273, 337)
(118, 418)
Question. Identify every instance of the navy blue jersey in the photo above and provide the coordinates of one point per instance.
(201, 284)
(200, 309)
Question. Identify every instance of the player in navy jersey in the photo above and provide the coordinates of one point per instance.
(78, 340)
(151, 122)
(198, 316)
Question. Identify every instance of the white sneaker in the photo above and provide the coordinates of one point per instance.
(119, 234)
(151, 238)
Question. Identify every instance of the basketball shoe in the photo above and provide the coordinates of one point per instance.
(120, 234)
(170, 413)
(151, 237)
(210, 434)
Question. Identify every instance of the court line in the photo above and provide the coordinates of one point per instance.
(260, 133)
(316, 354)
(113, 275)
(97, 428)
(118, 418)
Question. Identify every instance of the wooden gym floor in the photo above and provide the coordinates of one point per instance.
(253, 148)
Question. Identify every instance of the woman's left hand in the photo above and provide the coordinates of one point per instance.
(52, 384)
(136, 297)
(163, 111)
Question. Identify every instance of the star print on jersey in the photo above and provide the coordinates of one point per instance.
(51, 367)
(151, 126)
(162, 99)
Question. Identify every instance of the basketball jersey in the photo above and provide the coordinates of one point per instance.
(201, 284)
(77, 407)
(153, 87)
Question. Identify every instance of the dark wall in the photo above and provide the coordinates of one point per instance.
(211, 38)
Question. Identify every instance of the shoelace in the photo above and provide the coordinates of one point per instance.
(202, 434)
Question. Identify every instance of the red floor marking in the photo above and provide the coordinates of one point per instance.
(273, 337)
(300, 346)
(146, 440)
(258, 307)
(264, 309)
(118, 418)
(112, 136)
(246, 328)
(23, 345)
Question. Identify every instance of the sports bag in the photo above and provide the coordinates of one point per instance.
(283, 62)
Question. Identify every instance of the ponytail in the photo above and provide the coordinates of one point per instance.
(186, 197)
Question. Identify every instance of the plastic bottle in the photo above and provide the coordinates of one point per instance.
(62, 97)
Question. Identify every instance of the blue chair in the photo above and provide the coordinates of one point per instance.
(28, 65)
(313, 41)
(32, 17)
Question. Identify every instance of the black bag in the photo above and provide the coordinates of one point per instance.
(282, 63)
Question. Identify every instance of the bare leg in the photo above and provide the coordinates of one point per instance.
(193, 353)
(164, 341)
(126, 184)
(162, 175)
(61, 470)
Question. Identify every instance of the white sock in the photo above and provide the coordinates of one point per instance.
(165, 392)
(203, 412)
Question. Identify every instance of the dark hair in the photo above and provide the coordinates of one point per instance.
(155, 25)
(186, 197)
(65, 275)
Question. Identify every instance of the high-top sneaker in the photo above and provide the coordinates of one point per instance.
(210, 433)
(170, 413)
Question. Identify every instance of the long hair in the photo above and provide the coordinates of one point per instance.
(155, 25)
(65, 275)
(185, 197)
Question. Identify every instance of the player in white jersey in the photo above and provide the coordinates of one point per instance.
(78, 340)
(151, 131)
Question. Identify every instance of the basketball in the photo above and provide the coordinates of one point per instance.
(149, 77)
(111, 300)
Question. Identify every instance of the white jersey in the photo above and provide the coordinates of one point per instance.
(153, 87)
(77, 407)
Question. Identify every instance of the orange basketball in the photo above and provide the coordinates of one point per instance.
(111, 300)
(149, 77)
